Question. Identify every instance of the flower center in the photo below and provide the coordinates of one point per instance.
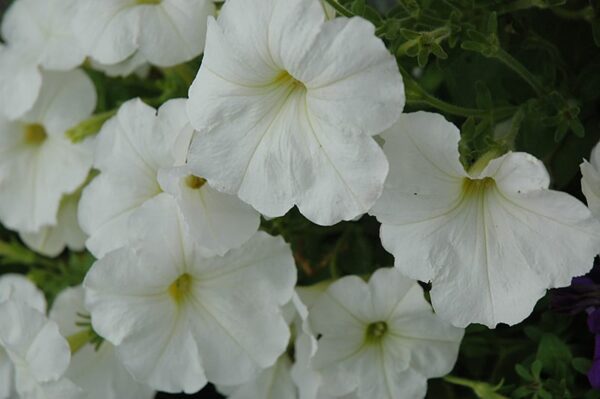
(148, 1)
(376, 331)
(181, 287)
(477, 186)
(285, 78)
(194, 182)
(34, 134)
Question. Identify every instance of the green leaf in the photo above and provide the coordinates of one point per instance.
(554, 354)
(581, 365)
(523, 372)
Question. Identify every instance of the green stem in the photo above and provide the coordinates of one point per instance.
(586, 13)
(340, 8)
(89, 126)
(520, 69)
(481, 389)
(517, 6)
(18, 254)
(416, 95)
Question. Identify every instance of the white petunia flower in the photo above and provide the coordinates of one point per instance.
(17, 288)
(380, 338)
(163, 32)
(178, 318)
(285, 110)
(38, 35)
(590, 182)
(38, 163)
(100, 373)
(52, 240)
(140, 154)
(33, 354)
(491, 239)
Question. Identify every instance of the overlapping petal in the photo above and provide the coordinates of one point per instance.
(165, 34)
(99, 373)
(141, 154)
(590, 182)
(39, 354)
(52, 240)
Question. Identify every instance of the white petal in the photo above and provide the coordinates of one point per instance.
(230, 328)
(130, 143)
(19, 288)
(432, 342)
(240, 334)
(107, 30)
(428, 174)
(66, 98)
(43, 28)
(173, 124)
(99, 373)
(273, 383)
(52, 240)
(217, 221)
(135, 63)
(33, 178)
(280, 149)
(61, 389)
(6, 376)
(493, 251)
(131, 148)
(350, 92)
(33, 341)
(174, 31)
(106, 206)
(135, 311)
(590, 181)
(20, 82)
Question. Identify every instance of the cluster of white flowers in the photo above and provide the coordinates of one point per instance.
(283, 112)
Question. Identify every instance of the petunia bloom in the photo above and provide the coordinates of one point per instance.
(38, 35)
(285, 110)
(590, 181)
(141, 153)
(492, 238)
(99, 372)
(380, 339)
(178, 318)
(162, 32)
(38, 163)
(33, 354)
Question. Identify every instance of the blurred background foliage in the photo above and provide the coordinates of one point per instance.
(518, 75)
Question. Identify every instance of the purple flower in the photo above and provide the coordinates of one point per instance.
(583, 295)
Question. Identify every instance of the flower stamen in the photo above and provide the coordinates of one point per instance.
(34, 134)
(181, 288)
(194, 182)
(376, 331)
